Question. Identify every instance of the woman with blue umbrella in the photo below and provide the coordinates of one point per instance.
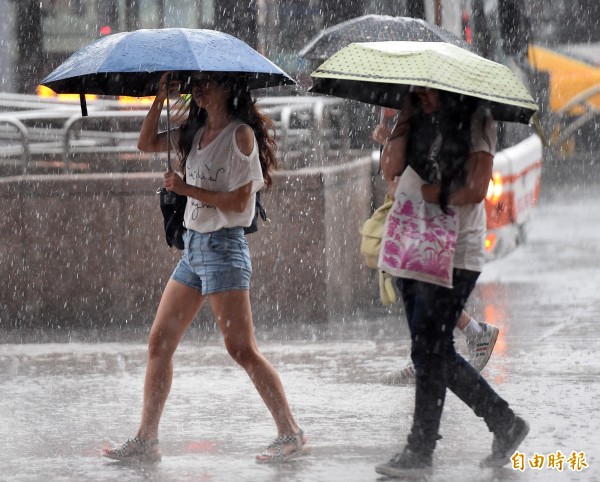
(226, 154)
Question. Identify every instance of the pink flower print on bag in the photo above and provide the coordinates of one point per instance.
(407, 209)
(419, 240)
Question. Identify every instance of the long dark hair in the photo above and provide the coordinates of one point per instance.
(453, 120)
(240, 106)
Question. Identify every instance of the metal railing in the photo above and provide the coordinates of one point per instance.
(32, 128)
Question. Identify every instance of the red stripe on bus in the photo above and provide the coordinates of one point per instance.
(511, 178)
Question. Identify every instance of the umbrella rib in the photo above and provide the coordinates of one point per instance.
(421, 79)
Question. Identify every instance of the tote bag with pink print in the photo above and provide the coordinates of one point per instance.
(419, 239)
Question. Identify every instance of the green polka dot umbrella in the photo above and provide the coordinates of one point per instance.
(380, 73)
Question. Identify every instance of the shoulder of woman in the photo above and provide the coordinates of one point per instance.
(244, 138)
(482, 119)
(483, 114)
(483, 131)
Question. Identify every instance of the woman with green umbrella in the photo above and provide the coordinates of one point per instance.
(441, 150)
(449, 141)
(226, 154)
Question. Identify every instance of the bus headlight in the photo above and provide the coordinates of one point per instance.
(495, 188)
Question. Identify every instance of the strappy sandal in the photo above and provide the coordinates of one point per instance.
(135, 449)
(275, 451)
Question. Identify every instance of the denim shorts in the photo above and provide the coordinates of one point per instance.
(213, 262)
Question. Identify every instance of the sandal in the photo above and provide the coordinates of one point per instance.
(135, 449)
(275, 451)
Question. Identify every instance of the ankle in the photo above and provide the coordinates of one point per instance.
(144, 439)
(144, 434)
(506, 423)
(472, 329)
(291, 430)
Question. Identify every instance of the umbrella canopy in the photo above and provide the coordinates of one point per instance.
(380, 73)
(131, 63)
(376, 28)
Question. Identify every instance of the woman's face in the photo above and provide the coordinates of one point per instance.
(206, 91)
(429, 98)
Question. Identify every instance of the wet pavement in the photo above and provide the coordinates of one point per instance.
(64, 399)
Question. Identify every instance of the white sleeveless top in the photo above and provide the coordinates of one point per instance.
(221, 166)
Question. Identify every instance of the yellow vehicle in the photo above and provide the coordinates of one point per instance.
(572, 70)
(564, 45)
(573, 93)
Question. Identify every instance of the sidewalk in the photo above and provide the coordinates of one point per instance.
(63, 401)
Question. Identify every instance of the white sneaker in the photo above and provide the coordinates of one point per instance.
(404, 376)
(481, 346)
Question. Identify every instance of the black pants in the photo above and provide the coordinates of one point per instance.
(432, 312)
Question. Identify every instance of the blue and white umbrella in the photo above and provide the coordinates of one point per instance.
(131, 63)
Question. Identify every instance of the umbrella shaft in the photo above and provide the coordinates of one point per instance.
(168, 129)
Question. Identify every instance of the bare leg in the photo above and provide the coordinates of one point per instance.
(234, 316)
(178, 307)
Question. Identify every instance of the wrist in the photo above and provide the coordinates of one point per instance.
(186, 190)
(431, 193)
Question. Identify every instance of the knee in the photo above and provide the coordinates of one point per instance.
(159, 346)
(429, 351)
(423, 344)
(242, 354)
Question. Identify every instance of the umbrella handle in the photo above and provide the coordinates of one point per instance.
(84, 111)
